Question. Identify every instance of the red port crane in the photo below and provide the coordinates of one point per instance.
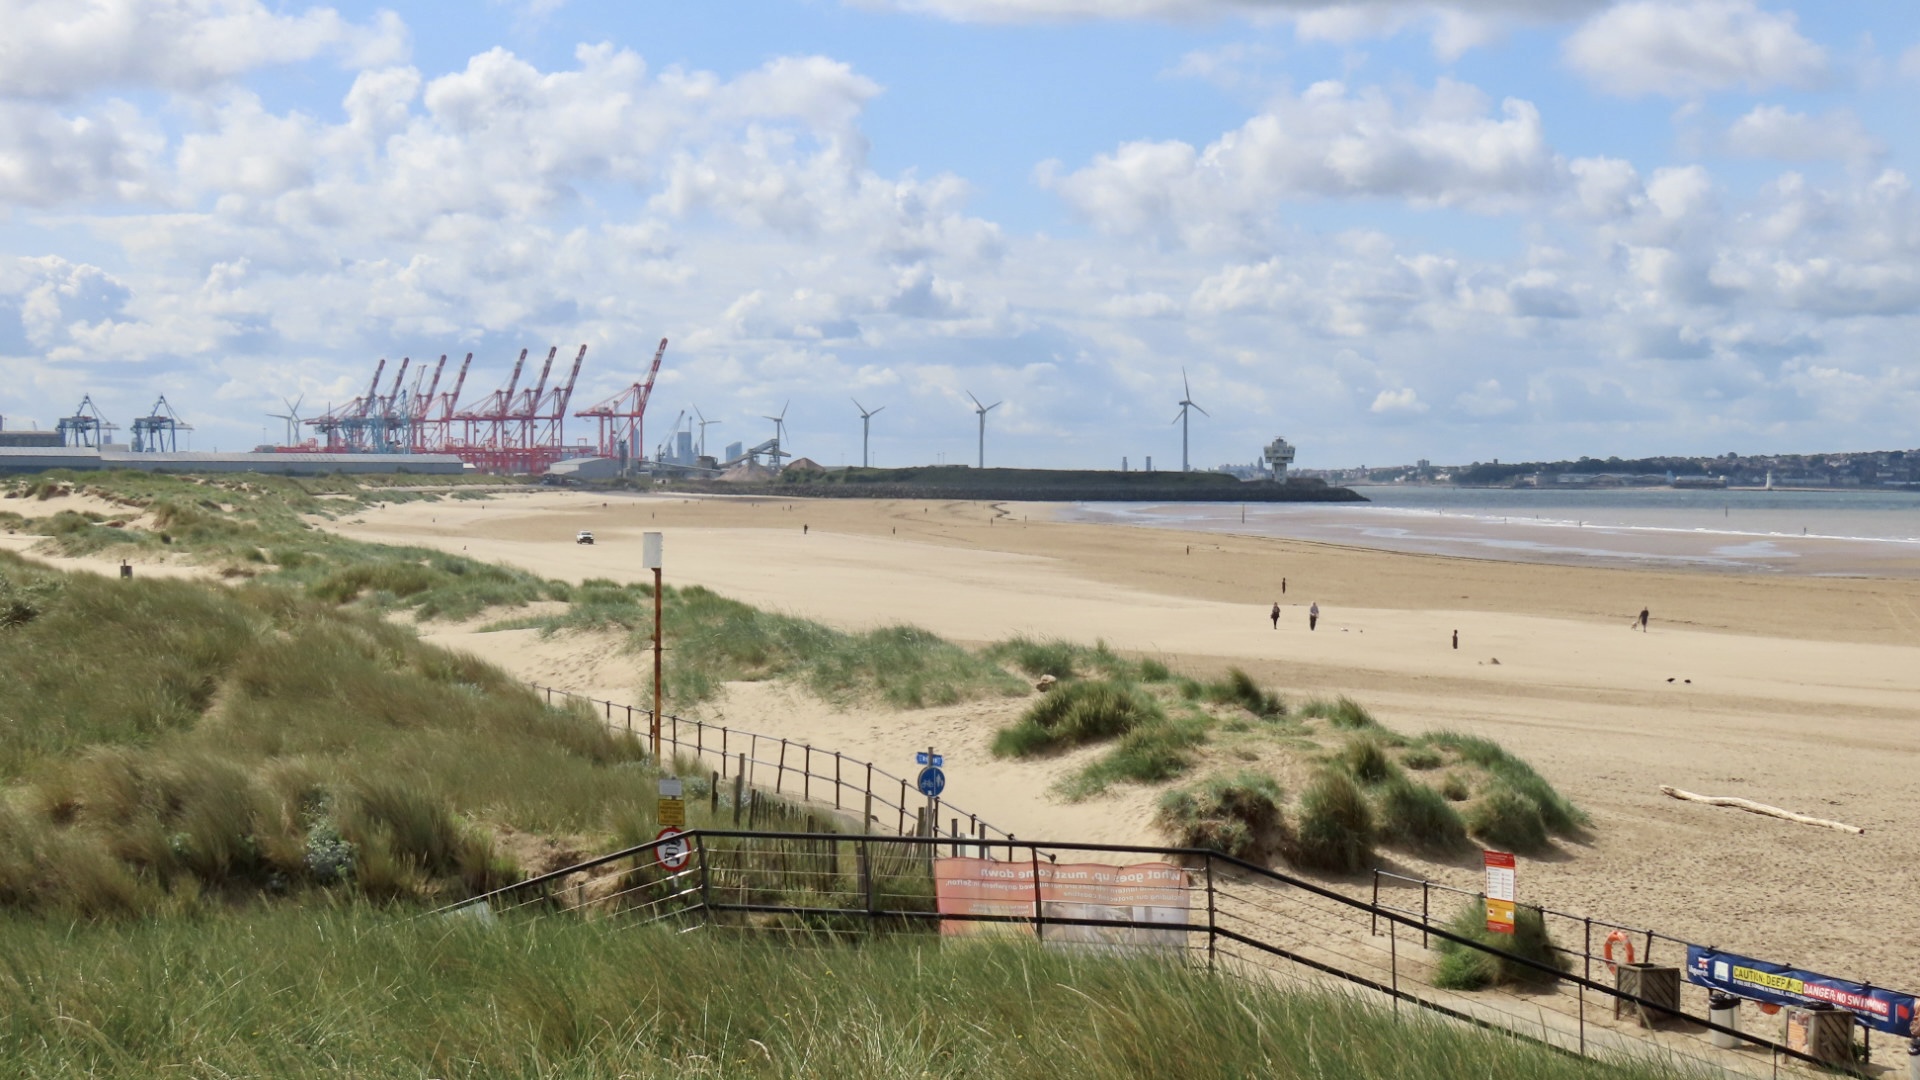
(622, 416)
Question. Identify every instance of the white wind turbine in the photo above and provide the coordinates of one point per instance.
(983, 410)
(866, 419)
(1186, 402)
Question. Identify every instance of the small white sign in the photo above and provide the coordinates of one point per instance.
(650, 551)
(669, 787)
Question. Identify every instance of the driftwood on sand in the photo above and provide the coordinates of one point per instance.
(1752, 807)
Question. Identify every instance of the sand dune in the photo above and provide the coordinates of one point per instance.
(1803, 692)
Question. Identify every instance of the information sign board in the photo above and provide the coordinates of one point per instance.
(1500, 891)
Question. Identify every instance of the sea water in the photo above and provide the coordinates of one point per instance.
(1813, 532)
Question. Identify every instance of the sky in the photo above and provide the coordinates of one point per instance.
(1385, 229)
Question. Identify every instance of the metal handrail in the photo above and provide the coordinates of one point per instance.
(1195, 858)
(874, 784)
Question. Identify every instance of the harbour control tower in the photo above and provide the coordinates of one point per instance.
(1278, 455)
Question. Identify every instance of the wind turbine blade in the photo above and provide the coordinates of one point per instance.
(1203, 412)
(862, 408)
(878, 411)
(1181, 415)
(993, 406)
(783, 409)
(976, 401)
(1184, 386)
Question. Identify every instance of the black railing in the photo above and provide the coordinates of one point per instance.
(793, 769)
(1237, 918)
(1561, 925)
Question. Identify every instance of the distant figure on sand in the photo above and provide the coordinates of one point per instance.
(1456, 639)
(803, 530)
(1283, 586)
(1643, 620)
(1276, 614)
(1313, 615)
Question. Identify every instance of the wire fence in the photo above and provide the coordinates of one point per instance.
(797, 770)
(1233, 917)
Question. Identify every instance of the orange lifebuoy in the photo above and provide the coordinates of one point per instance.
(1617, 937)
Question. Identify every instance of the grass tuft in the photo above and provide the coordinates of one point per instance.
(1416, 816)
(1343, 712)
(1239, 814)
(1335, 827)
(1075, 714)
(1366, 760)
(1465, 968)
(1238, 688)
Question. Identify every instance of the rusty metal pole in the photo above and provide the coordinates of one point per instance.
(656, 664)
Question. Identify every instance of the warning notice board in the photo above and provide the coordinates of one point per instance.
(1101, 899)
(1500, 894)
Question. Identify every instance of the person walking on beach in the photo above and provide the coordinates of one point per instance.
(1456, 639)
(1283, 586)
(1313, 615)
(1643, 620)
(1276, 614)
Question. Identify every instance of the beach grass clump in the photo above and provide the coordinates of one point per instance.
(1343, 712)
(1422, 759)
(1077, 713)
(1508, 820)
(1414, 815)
(1518, 808)
(1238, 688)
(1366, 760)
(1334, 830)
(1151, 753)
(1463, 967)
(1035, 658)
(1239, 814)
(718, 640)
(1065, 660)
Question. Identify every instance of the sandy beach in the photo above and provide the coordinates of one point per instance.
(1804, 692)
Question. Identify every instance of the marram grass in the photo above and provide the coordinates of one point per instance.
(324, 992)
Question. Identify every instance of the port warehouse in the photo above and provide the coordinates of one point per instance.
(33, 459)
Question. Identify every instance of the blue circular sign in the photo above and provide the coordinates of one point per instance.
(932, 782)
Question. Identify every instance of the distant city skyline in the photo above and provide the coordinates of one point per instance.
(1385, 230)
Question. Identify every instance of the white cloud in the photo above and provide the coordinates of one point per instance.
(1685, 47)
(1486, 400)
(1443, 148)
(48, 156)
(1402, 401)
(1772, 131)
(1910, 62)
(61, 49)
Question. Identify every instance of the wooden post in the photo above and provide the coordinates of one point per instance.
(739, 783)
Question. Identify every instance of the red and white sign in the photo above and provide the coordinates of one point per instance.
(1087, 893)
(674, 850)
(1500, 893)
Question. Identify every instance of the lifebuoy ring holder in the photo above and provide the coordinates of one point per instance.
(1619, 936)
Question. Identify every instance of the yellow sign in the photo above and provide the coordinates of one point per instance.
(1500, 916)
(673, 812)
